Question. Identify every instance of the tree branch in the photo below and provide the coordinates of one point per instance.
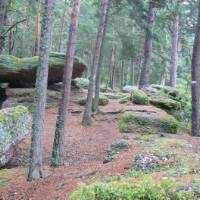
(11, 27)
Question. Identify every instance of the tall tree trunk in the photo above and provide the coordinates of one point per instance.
(62, 26)
(58, 146)
(37, 28)
(163, 72)
(3, 17)
(112, 66)
(196, 81)
(132, 72)
(95, 104)
(122, 74)
(35, 167)
(125, 73)
(174, 51)
(88, 108)
(145, 72)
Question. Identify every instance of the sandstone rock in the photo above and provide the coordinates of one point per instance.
(150, 123)
(15, 124)
(21, 72)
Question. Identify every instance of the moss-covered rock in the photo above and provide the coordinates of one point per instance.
(139, 97)
(21, 72)
(128, 89)
(15, 124)
(25, 97)
(166, 91)
(80, 83)
(103, 100)
(81, 101)
(124, 100)
(145, 123)
(165, 103)
(104, 88)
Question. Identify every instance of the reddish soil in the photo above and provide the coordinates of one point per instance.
(85, 151)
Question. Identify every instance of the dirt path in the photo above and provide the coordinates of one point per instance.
(85, 151)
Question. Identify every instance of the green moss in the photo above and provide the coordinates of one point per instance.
(9, 64)
(14, 113)
(15, 124)
(139, 97)
(105, 88)
(133, 122)
(81, 101)
(124, 100)
(103, 100)
(5, 177)
(81, 83)
(147, 138)
(132, 189)
(164, 103)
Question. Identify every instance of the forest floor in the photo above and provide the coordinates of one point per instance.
(85, 152)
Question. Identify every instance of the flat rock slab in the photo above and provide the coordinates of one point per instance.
(144, 122)
(21, 72)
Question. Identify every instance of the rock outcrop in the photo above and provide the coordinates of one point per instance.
(15, 124)
(25, 96)
(151, 123)
(139, 97)
(21, 72)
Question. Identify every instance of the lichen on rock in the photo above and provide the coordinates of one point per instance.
(15, 124)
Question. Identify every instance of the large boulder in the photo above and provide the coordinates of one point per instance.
(166, 91)
(103, 100)
(151, 123)
(21, 72)
(139, 97)
(25, 96)
(15, 124)
(167, 104)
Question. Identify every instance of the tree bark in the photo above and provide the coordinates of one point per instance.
(36, 161)
(112, 66)
(3, 17)
(196, 81)
(95, 103)
(132, 72)
(174, 51)
(95, 62)
(58, 146)
(37, 28)
(122, 74)
(145, 72)
(62, 26)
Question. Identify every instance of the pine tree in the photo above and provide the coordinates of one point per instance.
(145, 72)
(196, 81)
(58, 146)
(95, 62)
(36, 161)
